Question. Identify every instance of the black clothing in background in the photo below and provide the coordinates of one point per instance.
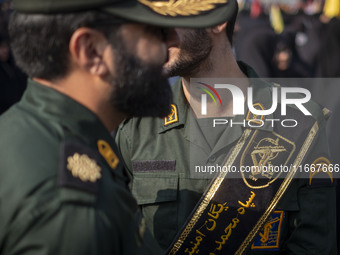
(255, 43)
(329, 58)
(12, 84)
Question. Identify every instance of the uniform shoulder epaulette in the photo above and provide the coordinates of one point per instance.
(79, 167)
(317, 112)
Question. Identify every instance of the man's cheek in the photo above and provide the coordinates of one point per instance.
(153, 52)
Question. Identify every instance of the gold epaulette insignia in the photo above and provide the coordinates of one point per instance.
(256, 118)
(182, 7)
(269, 236)
(84, 168)
(320, 165)
(107, 152)
(172, 117)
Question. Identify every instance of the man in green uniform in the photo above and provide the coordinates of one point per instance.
(63, 188)
(160, 153)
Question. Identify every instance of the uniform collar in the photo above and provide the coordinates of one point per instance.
(57, 107)
(262, 94)
(181, 104)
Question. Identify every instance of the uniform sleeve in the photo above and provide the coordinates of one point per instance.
(313, 226)
(74, 222)
(67, 229)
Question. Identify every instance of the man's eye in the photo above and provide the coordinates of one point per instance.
(161, 33)
(164, 32)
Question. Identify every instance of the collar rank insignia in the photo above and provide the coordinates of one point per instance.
(268, 237)
(256, 118)
(84, 168)
(181, 7)
(172, 117)
(107, 152)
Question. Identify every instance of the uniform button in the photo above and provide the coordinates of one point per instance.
(212, 159)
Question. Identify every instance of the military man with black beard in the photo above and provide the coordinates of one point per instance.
(91, 64)
(187, 212)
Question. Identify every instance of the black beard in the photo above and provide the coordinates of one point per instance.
(194, 52)
(140, 89)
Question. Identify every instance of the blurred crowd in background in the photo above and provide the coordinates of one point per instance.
(278, 38)
(296, 39)
(289, 38)
(12, 80)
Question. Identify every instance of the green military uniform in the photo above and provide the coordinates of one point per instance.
(157, 156)
(63, 188)
(60, 194)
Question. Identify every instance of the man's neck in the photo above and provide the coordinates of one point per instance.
(222, 65)
(89, 93)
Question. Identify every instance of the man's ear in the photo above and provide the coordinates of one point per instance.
(219, 28)
(87, 47)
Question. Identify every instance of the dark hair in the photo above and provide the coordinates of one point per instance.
(230, 26)
(3, 38)
(40, 42)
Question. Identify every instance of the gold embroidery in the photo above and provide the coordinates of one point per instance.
(320, 165)
(265, 156)
(172, 117)
(266, 230)
(228, 230)
(306, 145)
(84, 168)
(210, 194)
(181, 7)
(326, 112)
(270, 237)
(193, 248)
(142, 228)
(219, 179)
(106, 151)
(253, 117)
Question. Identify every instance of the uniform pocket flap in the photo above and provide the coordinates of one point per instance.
(149, 189)
(153, 165)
